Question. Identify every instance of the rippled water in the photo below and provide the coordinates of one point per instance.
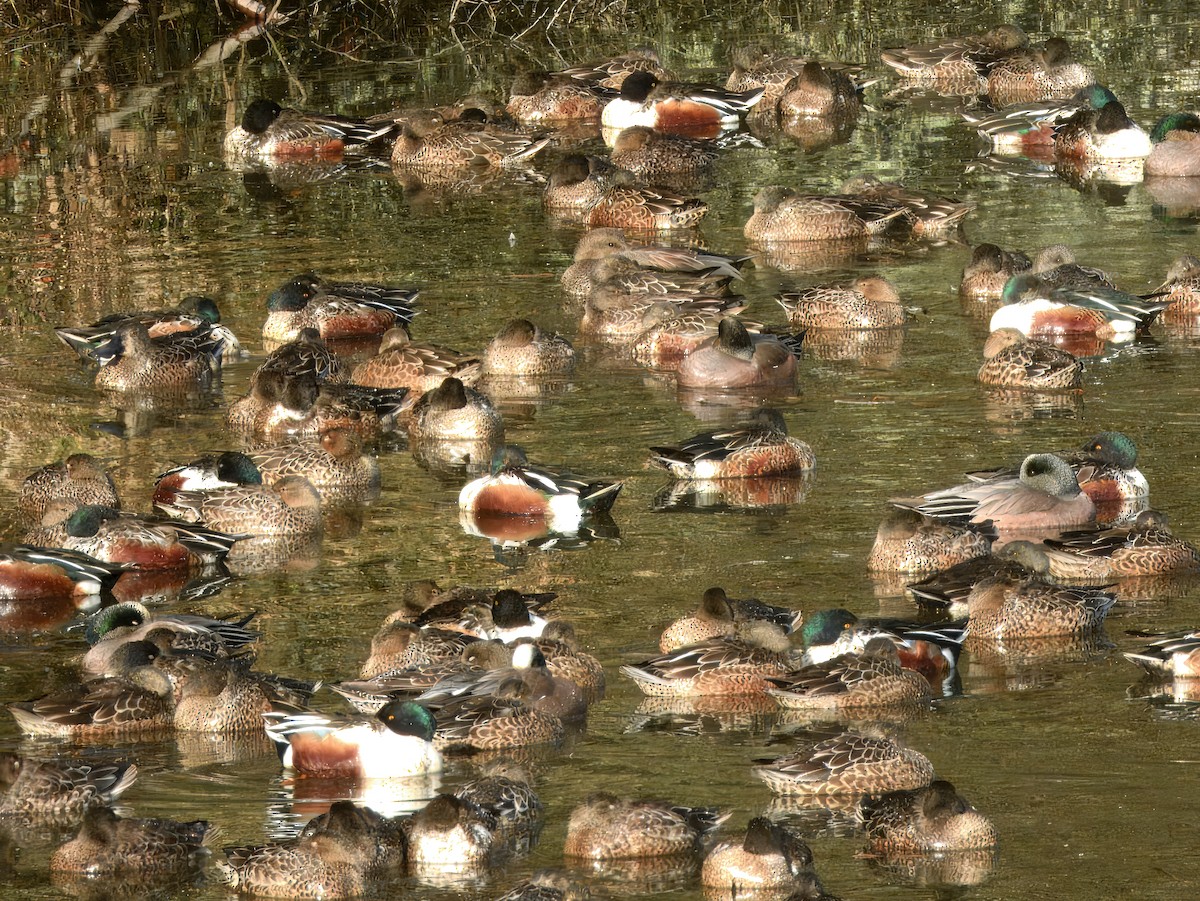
(125, 201)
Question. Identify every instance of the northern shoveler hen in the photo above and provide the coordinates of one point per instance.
(1176, 146)
(719, 616)
(403, 363)
(80, 478)
(846, 764)
(565, 659)
(591, 268)
(549, 98)
(490, 722)
(577, 183)
(657, 157)
(907, 542)
(393, 672)
(463, 144)
(819, 91)
(869, 302)
(194, 313)
(291, 506)
(736, 359)
(670, 106)
(668, 332)
(1037, 310)
(523, 350)
(398, 741)
(548, 885)
(613, 314)
(1145, 548)
(338, 466)
(1045, 72)
(769, 857)
(1175, 655)
(1013, 361)
(957, 65)
(1055, 266)
(782, 216)
(612, 72)
(1182, 288)
(1044, 496)
(111, 845)
(933, 818)
(336, 309)
(988, 272)
(59, 789)
(504, 790)
(1029, 127)
(454, 412)
(605, 827)
(929, 215)
(221, 695)
(271, 131)
(181, 363)
(1004, 608)
(853, 682)
(761, 448)
(450, 833)
(636, 208)
(306, 356)
(1099, 135)
(278, 408)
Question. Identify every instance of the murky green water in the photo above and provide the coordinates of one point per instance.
(126, 201)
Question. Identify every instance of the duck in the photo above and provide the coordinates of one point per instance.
(633, 207)
(599, 245)
(502, 720)
(336, 309)
(1182, 288)
(396, 742)
(59, 789)
(1176, 147)
(464, 144)
(454, 412)
(224, 469)
(928, 215)
(736, 359)
(290, 507)
(1045, 72)
(989, 270)
(760, 448)
(273, 132)
(504, 614)
(577, 183)
(565, 659)
(1145, 548)
(279, 407)
(819, 91)
(614, 315)
(1013, 361)
(503, 789)
(28, 573)
(109, 845)
(521, 349)
(548, 884)
(403, 363)
(854, 682)
(669, 106)
(80, 478)
(907, 542)
(1002, 608)
(958, 65)
(781, 215)
(1173, 655)
(620, 278)
(869, 302)
(1101, 135)
(549, 98)
(1029, 127)
(338, 466)
(770, 857)
(425, 663)
(658, 157)
(849, 763)
(182, 363)
(605, 827)
(612, 72)
(719, 616)
(514, 487)
(933, 818)
(1045, 495)
(307, 355)
(737, 664)
(449, 833)
(667, 332)
(947, 590)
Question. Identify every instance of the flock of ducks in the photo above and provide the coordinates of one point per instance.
(1014, 561)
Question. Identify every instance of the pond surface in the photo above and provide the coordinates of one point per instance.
(123, 200)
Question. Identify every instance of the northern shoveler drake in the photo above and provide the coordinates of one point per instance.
(605, 827)
(31, 573)
(1100, 135)
(220, 470)
(636, 208)
(930, 215)
(515, 488)
(307, 355)
(947, 590)
(846, 764)
(1182, 289)
(610, 73)
(1044, 496)
(336, 309)
(1013, 361)
(761, 448)
(397, 742)
(907, 542)
(506, 614)
(271, 131)
(933, 818)
(1045, 72)
(192, 314)
(463, 144)
(182, 363)
(59, 789)
(278, 408)
(1003, 608)
(450, 833)
(769, 857)
(599, 245)
(111, 845)
(522, 349)
(725, 665)
(454, 412)
(737, 359)
(1145, 548)
(1176, 150)
(819, 91)
(291, 506)
(668, 332)
(957, 65)
(338, 467)
(577, 183)
(658, 157)
(1040, 311)
(80, 478)
(988, 272)
(783, 216)
(670, 106)
(1174, 655)
(1029, 127)
(852, 682)
(550, 98)
(869, 302)
(403, 363)
(148, 543)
